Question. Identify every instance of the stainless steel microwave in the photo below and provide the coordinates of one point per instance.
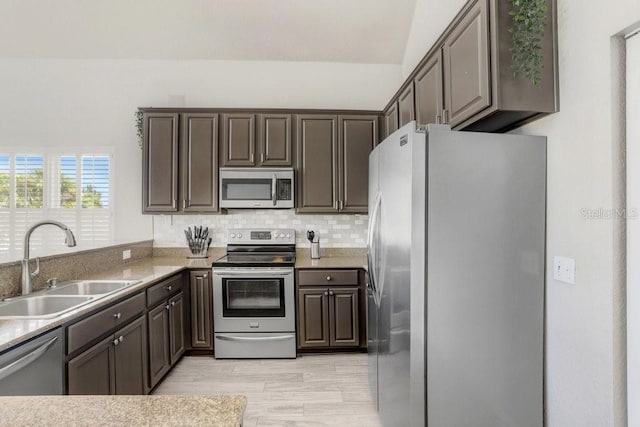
(256, 188)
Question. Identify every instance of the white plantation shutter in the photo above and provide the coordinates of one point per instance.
(73, 188)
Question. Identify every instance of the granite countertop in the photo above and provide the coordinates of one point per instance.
(122, 410)
(147, 270)
(333, 258)
(151, 270)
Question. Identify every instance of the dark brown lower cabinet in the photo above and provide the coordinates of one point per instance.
(328, 317)
(116, 365)
(201, 310)
(166, 337)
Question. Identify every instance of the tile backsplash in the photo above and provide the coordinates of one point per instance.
(335, 231)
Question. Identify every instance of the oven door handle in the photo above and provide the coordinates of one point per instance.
(276, 338)
(253, 273)
(273, 188)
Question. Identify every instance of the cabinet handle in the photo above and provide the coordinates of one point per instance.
(438, 119)
(173, 303)
(169, 288)
(167, 307)
(328, 278)
(174, 203)
(326, 293)
(261, 157)
(252, 157)
(335, 204)
(121, 338)
(184, 204)
(445, 116)
(205, 275)
(341, 205)
(117, 315)
(331, 293)
(116, 341)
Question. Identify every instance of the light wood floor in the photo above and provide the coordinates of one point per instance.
(312, 390)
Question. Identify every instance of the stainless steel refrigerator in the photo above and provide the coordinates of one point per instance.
(456, 278)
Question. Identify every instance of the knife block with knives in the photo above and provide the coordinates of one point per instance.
(198, 241)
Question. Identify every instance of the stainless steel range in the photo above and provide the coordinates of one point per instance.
(253, 295)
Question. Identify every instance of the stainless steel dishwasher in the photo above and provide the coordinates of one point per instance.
(35, 367)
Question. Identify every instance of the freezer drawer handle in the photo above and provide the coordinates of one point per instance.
(26, 360)
(254, 339)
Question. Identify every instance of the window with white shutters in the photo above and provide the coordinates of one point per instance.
(74, 188)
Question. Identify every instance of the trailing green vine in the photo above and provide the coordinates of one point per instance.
(139, 127)
(529, 21)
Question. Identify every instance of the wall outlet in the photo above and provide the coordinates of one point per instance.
(564, 269)
(126, 254)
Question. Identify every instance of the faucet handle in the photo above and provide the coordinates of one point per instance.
(53, 282)
(36, 273)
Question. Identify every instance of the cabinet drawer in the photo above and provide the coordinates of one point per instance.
(102, 322)
(164, 289)
(327, 277)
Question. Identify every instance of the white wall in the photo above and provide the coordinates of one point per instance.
(580, 329)
(57, 102)
(633, 229)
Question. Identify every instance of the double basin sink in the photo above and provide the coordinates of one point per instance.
(60, 299)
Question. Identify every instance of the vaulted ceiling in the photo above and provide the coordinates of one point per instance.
(361, 31)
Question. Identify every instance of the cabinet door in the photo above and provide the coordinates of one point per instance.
(199, 163)
(358, 136)
(274, 140)
(466, 66)
(238, 140)
(428, 87)
(313, 320)
(343, 317)
(160, 163)
(176, 322)
(131, 358)
(406, 111)
(317, 163)
(92, 372)
(201, 310)
(158, 320)
(391, 119)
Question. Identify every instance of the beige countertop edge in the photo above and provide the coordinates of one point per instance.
(220, 410)
(148, 271)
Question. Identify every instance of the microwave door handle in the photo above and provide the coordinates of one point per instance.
(273, 189)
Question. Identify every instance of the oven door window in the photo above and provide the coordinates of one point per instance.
(247, 297)
(247, 189)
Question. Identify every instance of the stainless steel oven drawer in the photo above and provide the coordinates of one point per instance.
(238, 345)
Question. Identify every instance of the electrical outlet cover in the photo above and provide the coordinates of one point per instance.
(564, 269)
(126, 254)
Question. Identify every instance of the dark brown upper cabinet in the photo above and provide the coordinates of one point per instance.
(391, 119)
(479, 90)
(160, 163)
(180, 169)
(428, 90)
(406, 111)
(358, 137)
(317, 163)
(199, 171)
(333, 162)
(466, 66)
(274, 140)
(238, 139)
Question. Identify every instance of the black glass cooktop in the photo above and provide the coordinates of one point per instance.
(256, 260)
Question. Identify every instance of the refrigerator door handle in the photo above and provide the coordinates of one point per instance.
(372, 251)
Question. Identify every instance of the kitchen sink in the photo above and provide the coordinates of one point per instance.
(41, 306)
(91, 287)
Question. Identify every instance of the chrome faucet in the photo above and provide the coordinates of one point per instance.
(27, 275)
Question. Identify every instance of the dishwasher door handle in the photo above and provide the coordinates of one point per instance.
(26, 360)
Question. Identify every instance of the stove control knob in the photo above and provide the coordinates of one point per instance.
(233, 235)
(282, 235)
(239, 235)
(288, 236)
